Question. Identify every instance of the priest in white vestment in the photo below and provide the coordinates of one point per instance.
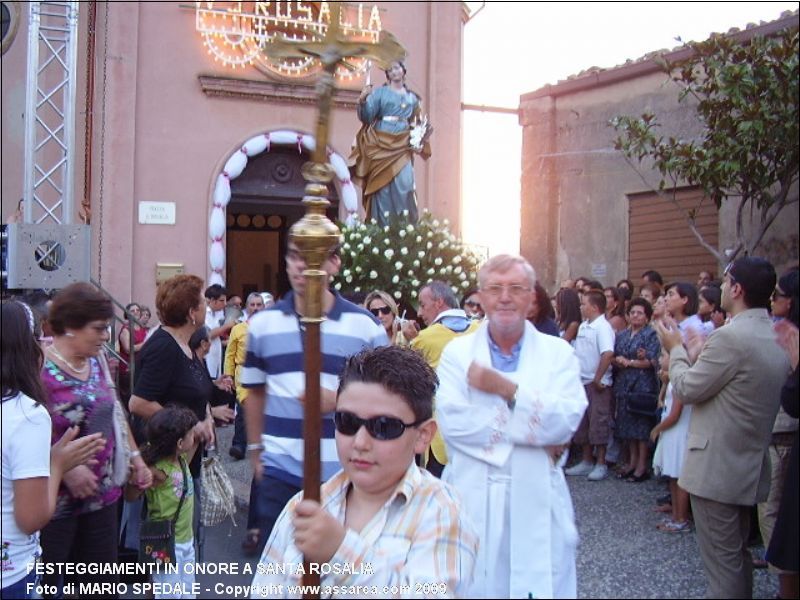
(509, 399)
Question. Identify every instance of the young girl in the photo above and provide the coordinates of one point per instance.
(671, 433)
(31, 468)
(169, 449)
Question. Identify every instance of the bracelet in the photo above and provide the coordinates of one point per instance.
(259, 447)
(135, 453)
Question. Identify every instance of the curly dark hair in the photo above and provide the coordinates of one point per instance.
(400, 370)
(648, 308)
(164, 430)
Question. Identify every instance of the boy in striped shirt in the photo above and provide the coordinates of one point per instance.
(274, 377)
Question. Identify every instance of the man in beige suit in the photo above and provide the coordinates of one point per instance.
(734, 382)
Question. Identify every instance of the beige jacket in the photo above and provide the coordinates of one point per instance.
(735, 388)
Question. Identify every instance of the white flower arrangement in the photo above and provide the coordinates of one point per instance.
(400, 257)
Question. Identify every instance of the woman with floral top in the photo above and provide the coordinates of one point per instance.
(84, 526)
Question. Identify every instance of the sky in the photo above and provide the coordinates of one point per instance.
(511, 48)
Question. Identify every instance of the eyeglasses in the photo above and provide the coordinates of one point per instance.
(380, 428)
(473, 304)
(381, 310)
(514, 290)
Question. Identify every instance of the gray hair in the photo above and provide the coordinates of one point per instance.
(252, 295)
(441, 291)
(503, 263)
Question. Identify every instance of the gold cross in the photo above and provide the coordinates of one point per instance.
(314, 235)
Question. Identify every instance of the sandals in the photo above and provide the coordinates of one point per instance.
(638, 478)
(670, 526)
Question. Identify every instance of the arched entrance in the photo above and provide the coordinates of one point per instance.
(257, 198)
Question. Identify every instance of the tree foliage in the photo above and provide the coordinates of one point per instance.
(746, 100)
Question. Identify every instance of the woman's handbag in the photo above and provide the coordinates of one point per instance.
(642, 404)
(121, 462)
(157, 538)
(217, 500)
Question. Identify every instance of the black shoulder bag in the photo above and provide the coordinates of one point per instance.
(157, 538)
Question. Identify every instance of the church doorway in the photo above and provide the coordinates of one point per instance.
(265, 201)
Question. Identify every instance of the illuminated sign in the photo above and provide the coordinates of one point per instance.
(238, 33)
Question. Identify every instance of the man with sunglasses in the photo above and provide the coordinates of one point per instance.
(384, 527)
(510, 398)
(734, 381)
(273, 375)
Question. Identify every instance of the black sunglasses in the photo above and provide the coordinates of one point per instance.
(383, 310)
(381, 428)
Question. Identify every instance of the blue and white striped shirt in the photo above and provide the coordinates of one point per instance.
(275, 357)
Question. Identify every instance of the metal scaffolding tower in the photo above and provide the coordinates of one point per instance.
(48, 250)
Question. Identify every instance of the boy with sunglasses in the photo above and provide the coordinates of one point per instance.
(384, 527)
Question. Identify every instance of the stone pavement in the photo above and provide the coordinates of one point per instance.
(621, 554)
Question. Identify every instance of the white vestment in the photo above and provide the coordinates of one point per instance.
(512, 491)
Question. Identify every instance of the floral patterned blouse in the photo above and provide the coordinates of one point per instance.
(89, 405)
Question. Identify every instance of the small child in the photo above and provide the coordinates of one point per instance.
(671, 433)
(169, 450)
(383, 523)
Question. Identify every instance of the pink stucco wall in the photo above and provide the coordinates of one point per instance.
(165, 140)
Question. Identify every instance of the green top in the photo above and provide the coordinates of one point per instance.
(163, 499)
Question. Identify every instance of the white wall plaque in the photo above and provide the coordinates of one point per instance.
(156, 213)
(599, 270)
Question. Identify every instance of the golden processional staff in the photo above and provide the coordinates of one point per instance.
(315, 235)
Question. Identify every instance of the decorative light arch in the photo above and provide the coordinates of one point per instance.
(237, 162)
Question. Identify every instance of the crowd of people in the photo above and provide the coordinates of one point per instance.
(451, 433)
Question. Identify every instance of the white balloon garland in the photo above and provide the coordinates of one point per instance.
(234, 167)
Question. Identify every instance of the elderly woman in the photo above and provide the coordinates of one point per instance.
(84, 526)
(384, 308)
(636, 354)
(169, 372)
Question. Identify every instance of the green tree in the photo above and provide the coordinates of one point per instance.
(746, 98)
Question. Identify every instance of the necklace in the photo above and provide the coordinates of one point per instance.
(60, 356)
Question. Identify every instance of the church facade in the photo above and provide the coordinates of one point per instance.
(198, 137)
